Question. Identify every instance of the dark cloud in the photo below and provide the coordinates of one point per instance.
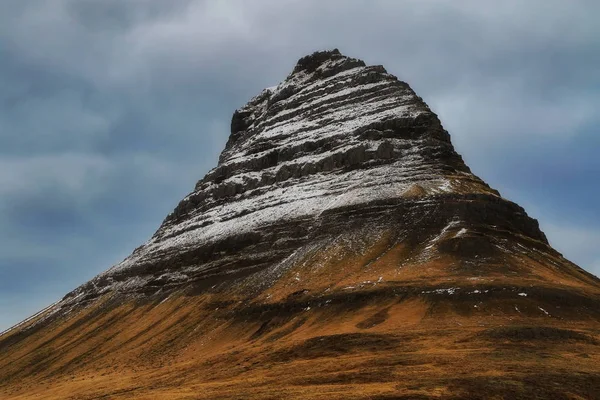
(111, 110)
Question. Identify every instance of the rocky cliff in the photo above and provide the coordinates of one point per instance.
(339, 226)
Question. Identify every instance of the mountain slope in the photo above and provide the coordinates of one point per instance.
(340, 249)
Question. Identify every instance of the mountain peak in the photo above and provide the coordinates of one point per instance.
(325, 61)
(326, 77)
(336, 136)
(340, 237)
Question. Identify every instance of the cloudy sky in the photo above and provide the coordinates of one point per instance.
(110, 110)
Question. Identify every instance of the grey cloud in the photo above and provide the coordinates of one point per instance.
(580, 243)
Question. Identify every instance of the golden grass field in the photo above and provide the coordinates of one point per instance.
(337, 326)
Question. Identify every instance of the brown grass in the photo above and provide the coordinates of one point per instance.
(340, 332)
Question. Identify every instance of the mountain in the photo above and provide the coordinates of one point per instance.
(341, 249)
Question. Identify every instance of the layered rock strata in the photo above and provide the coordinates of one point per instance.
(336, 146)
(341, 249)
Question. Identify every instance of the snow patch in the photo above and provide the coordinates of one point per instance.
(544, 311)
(451, 290)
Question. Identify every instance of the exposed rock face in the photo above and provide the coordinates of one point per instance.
(341, 249)
(338, 145)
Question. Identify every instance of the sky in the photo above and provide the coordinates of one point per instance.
(111, 110)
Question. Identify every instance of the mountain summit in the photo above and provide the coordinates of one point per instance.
(341, 248)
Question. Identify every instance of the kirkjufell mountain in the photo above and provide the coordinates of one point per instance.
(340, 249)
